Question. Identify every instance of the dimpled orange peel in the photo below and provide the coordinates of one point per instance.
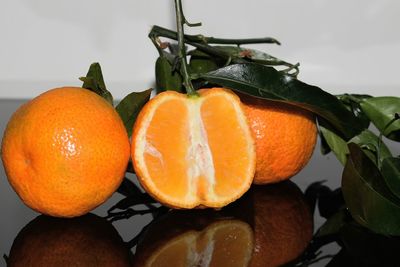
(65, 152)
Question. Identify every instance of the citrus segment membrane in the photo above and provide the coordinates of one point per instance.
(192, 151)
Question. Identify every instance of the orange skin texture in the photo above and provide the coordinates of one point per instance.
(65, 152)
(284, 135)
(88, 240)
(233, 179)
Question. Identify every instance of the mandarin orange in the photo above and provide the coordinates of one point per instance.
(65, 152)
(194, 151)
(285, 137)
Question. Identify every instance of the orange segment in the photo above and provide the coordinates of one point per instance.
(230, 158)
(194, 151)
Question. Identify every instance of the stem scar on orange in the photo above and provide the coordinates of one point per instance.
(194, 151)
(65, 152)
(285, 137)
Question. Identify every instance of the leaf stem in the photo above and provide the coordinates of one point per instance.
(198, 38)
(180, 22)
(202, 43)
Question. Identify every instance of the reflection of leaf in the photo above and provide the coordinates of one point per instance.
(333, 224)
(391, 173)
(381, 111)
(130, 106)
(368, 199)
(368, 248)
(94, 82)
(342, 258)
(128, 188)
(266, 82)
(133, 200)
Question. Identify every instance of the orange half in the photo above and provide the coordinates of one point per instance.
(194, 151)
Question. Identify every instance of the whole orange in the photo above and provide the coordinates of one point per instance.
(65, 152)
(284, 135)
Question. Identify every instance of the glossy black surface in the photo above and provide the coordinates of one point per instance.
(169, 227)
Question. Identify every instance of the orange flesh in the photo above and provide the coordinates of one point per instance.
(164, 148)
(229, 147)
(194, 151)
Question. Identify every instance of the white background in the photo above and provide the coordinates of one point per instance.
(343, 46)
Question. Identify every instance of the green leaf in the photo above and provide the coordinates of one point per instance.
(352, 103)
(266, 82)
(381, 111)
(324, 147)
(200, 65)
(94, 82)
(391, 173)
(369, 142)
(166, 77)
(130, 106)
(367, 197)
(335, 143)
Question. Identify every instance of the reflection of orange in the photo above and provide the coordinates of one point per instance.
(282, 223)
(83, 241)
(195, 239)
(194, 151)
(272, 224)
(65, 152)
(284, 135)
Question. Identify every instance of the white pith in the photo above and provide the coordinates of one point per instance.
(199, 155)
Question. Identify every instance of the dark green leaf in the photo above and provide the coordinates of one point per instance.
(391, 173)
(324, 147)
(166, 77)
(266, 82)
(370, 143)
(367, 197)
(129, 108)
(352, 103)
(335, 143)
(381, 111)
(200, 65)
(94, 82)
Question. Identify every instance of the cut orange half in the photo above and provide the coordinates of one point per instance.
(194, 151)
